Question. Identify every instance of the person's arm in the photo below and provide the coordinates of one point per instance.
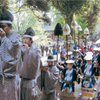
(36, 61)
(81, 53)
(52, 79)
(60, 66)
(94, 67)
(11, 52)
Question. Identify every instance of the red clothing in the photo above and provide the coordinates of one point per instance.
(82, 49)
(90, 49)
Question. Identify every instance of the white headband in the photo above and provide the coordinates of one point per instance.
(6, 21)
(50, 59)
(28, 36)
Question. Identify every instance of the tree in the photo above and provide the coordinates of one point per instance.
(25, 18)
(90, 13)
(86, 12)
(41, 6)
(3, 5)
(68, 8)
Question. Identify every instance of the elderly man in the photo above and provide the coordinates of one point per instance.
(31, 65)
(50, 75)
(10, 54)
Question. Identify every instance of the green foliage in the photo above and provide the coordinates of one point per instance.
(41, 5)
(57, 17)
(25, 18)
(86, 12)
(90, 13)
(82, 23)
(3, 5)
(68, 7)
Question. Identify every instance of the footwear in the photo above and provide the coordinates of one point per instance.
(90, 98)
(95, 89)
(80, 94)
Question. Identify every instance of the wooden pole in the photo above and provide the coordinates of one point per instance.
(74, 36)
(57, 46)
(78, 39)
(67, 45)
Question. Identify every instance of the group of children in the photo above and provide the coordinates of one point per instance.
(80, 67)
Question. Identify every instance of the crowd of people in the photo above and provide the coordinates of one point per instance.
(23, 76)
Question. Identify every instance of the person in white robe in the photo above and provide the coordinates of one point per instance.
(31, 66)
(10, 57)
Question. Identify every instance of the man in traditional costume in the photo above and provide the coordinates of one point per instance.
(10, 57)
(50, 77)
(31, 66)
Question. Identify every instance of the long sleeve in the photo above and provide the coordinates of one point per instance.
(10, 53)
(31, 63)
(36, 61)
(51, 80)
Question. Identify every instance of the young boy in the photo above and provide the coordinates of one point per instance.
(70, 75)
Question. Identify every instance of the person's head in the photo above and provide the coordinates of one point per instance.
(69, 54)
(96, 50)
(6, 27)
(54, 46)
(28, 41)
(70, 63)
(28, 36)
(85, 48)
(76, 52)
(6, 19)
(50, 61)
(88, 58)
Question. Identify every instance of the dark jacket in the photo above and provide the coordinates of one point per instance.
(74, 77)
